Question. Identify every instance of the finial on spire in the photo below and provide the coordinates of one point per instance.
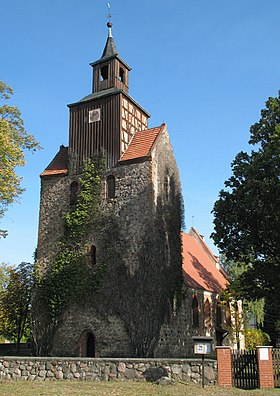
(109, 23)
(109, 15)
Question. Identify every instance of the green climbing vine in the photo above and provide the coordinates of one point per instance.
(68, 276)
(144, 274)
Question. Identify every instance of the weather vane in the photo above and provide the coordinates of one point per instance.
(109, 12)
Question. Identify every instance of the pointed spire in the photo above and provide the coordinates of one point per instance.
(110, 46)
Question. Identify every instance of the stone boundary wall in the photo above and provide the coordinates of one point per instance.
(57, 368)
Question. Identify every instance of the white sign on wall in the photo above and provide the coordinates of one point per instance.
(202, 348)
(263, 353)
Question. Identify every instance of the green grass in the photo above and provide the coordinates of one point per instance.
(93, 388)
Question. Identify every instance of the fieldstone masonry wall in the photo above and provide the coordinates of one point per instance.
(54, 204)
(30, 369)
(176, 333)
(145, 236)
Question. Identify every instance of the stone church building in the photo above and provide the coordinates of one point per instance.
(148, 287)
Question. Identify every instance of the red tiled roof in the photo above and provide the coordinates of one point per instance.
(142, 143)
(199, 264)
(59, 165)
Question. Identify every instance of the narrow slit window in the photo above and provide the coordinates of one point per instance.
(207, 314)
(195, 312)
(74, 193)
(93, 254)
(111, 188)
(167, 187)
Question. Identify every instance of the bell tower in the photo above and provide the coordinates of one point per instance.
(110, 70)
(105, 120)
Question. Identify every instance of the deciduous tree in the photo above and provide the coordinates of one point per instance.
(14, 141)
(15, 301)
(247, 213)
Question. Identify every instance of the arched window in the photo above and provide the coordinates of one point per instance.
(110, 186)
(104, 73)
(167, 187)
(207, 314)
(93, 254)
(218, 314)
(74, 193)
(195, 312)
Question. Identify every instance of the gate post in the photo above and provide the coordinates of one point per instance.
(266, 373)
(224, 366)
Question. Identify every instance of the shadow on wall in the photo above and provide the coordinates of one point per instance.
(153, 374)
(152, 287)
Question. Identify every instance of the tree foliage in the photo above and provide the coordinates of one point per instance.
(235, 291)
(247, 214)
(14, 141)
(15, 301)
(254, 338)
(4, 275)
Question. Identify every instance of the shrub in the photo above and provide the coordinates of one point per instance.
(255, 337)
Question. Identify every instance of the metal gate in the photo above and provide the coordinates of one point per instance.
(276, 366)
(245, 369)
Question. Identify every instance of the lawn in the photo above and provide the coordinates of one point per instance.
(80, 388)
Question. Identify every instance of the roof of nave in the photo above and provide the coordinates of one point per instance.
(59, 165)
(201, 269)
(142, 144)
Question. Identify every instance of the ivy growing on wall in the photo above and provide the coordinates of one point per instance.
(144, 284)
(69, 275)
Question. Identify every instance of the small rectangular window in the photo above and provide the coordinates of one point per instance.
(110, 186)
(93, 254)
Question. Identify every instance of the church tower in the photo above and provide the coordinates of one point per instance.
(106, 289)
(106, 120)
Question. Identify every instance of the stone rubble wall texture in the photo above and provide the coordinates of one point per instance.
(177, 331)
(148, 257)
(109, 332)
(106, 369)
(130, 205)
(54, 204)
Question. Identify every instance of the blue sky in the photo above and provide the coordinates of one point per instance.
(205, 68)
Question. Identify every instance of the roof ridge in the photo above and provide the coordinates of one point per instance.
(141, 143)
(59, 164)
(162, 126)
(204, 244)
